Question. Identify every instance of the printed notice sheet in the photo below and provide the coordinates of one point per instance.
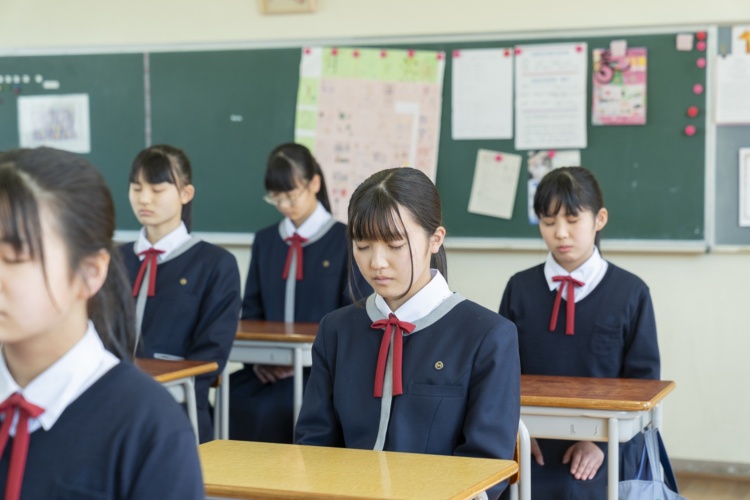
(619, 88)
(745, 187)
(58, 121)
(733, 89)
(493, 191)
(550, 96)
(365, 110)
(482, 98)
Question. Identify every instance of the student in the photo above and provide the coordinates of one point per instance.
(282, 287)
(419, 369)
(578, 315)
(79, 420)
(187, 291)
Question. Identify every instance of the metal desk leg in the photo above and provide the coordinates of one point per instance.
(192, 408)
(298, 379)
(613, 459)
(224, 408)
(524, 482)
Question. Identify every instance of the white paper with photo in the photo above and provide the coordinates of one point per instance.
(482, 94)
(745, 187)
(551, 96)
(733, 90)
(493, 191)
(539, 164)
(59, 121)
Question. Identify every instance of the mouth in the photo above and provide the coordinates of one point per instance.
(381, 280)
(565, 248)
(145, 213)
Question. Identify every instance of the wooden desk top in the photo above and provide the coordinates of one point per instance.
(241, 469)
(165, 370)
(276, 331)
(618, 394)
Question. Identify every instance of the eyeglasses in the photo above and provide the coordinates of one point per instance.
(289, 197)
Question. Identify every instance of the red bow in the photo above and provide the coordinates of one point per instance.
(149, 261)
(570, 306)
(295, 246)
(397, 328)
(20, 443)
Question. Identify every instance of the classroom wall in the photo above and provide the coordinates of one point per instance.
(701, 300)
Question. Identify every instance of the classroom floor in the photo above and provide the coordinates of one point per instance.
(699, 487)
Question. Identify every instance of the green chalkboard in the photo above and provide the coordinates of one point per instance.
(229, 108)
(114, 84)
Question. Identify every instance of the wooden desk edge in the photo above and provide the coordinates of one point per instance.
(233, 491)
(599, 404)
(207, 367)
(276, 337)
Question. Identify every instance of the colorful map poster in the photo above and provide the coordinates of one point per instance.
(619, 88)
(365, 110)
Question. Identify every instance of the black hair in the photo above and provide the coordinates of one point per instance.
(289, 163)
(574, 188)
(164, 163)
(374, 212)
(75, 193)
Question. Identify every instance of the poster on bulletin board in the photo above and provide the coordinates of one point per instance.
(619, 88)
(364, 110)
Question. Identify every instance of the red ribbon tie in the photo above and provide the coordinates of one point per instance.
(149, 262)
(20, 448)
(570, 306)
(295, 245)
(392, 325)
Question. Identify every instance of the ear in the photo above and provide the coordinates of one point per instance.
(601, 219)
(93, 273)
(315, 184)
(186, 194)
(436, 239)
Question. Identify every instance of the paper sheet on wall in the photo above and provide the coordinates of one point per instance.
(733, 90)
(550, 96)
(493, 191)
(619, 88)
(482, 96)
(364, 110)
(539, 164)
(745, 187)
(58, 121)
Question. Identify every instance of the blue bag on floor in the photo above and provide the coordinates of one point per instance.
(648, 483)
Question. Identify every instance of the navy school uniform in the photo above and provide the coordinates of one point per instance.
(615, 337)
(461, 384)
(264, 412)
(123, 437)
(193, 313)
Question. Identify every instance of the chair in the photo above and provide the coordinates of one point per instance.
(522, 479)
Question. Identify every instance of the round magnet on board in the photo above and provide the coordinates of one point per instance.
(692, 111)
(701, 62)
(690, 130)
(697, 89)
(701, 46)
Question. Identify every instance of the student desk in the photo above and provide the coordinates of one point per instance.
(592, 409)
(242, 469)
(270, 343)
(179, 379)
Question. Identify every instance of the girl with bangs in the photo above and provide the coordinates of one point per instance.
(606, 327)
(187, 290)
(298, 272)
(79, 420)
(419, 368)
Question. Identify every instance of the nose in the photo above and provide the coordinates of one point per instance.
(377, 258)
(561, 230)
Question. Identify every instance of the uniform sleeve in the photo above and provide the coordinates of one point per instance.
(252, 302)
(317, 424)
(641, 357)
(217, 326)
(169, 469)
(494, 403)
(505, 302)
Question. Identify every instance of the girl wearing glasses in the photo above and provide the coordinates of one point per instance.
(298, 272)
